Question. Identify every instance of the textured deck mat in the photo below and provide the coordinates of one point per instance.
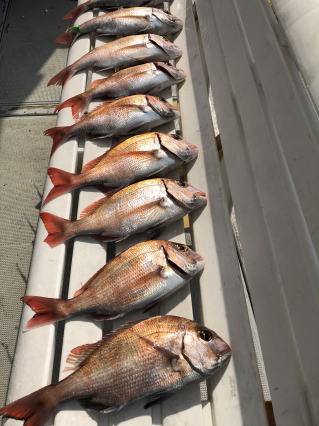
(28, 56)
(24, 154)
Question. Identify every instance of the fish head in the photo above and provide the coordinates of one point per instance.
(168, 19)
(165, 45)
(179, 147)
(182, 258)
(163, 108)
(177, 74)
(204, 350)
(185, 194)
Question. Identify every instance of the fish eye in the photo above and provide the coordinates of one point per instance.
(182, 183)
(181, 247)
(177, 137)
(205, 335)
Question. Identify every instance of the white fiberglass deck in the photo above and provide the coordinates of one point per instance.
(217, 56)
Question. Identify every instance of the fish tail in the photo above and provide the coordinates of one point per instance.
(47, 310)
(76, 12)
(58, 135)
(63, 182)
(68, 37)
(78, 104)
(62, 77)
(35, 408)
(56, 227)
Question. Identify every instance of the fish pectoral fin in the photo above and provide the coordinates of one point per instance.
(164, 271)
(92, 207)
(106, 238)
(178, 365)
(150, 306)
(102, 317)
(156, 399)
(165, 351)
(89, 404)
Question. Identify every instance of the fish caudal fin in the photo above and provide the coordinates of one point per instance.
(46, 310)
(56, 227)
(74, 13)
(78, 104)
(62, 77)
(58, 135)
(34, 408)
(63, 182)
(68, 37)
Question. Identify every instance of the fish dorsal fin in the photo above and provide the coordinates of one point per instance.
(97, 82)
(91, 164)
(92, 207)
(79, 355)
(87, 283)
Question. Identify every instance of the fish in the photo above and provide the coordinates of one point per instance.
(108, 4)
(137, 278)
(124, 22)
(125, 116)
(142, 79)
(136, 158)
(123, 52)
(150, 359)
(142, 206)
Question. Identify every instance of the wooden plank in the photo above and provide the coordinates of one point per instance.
(34, 355)
(278, 251)
(223, 303)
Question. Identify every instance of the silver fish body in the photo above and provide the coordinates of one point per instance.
(140, 157)
(124, 22)
(139, 207)
(146, 359)
(125, 116)
(137, 278)
(123, 52)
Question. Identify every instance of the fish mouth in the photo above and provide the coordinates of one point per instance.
(223, 358)
(177, 269)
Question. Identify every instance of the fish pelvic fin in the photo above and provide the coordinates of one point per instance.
(62, 77)
(78, 104)
(56, 227)
(68, 37)
(58, 135)
(63, 182)
(77, 11)
(47, 310)
(35, 408)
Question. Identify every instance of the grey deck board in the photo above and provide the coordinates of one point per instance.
(28, 56)
(23, 161)
(270, 155)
